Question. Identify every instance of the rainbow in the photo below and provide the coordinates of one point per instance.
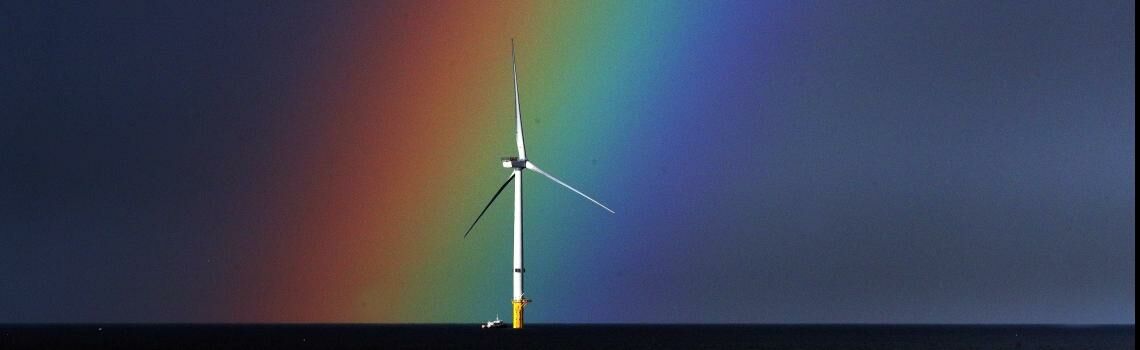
(407, 114)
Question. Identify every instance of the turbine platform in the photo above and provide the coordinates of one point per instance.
(517, 311)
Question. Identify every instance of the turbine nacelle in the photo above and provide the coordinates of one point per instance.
(514, 162)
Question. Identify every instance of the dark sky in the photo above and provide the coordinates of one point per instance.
(951, 161)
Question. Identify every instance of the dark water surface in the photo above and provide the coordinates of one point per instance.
(334, 336)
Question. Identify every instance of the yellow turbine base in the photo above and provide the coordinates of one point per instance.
(519, 304)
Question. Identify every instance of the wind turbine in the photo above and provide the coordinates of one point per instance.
(517, 165)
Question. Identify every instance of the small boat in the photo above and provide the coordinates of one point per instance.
(497, 323)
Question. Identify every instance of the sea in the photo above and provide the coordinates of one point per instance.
(561, 336)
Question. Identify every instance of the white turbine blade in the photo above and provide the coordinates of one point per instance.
(518, 110)
(531, 166)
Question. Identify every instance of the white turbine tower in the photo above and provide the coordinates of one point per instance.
(517, 165)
